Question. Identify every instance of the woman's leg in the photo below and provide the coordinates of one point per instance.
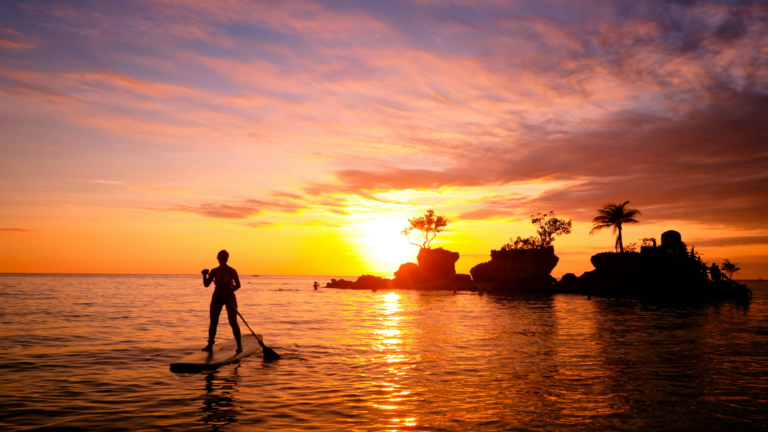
(232, 315)
(216, 304)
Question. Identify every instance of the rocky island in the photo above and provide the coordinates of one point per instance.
(517, 270)
(668, 271)
(436, 269)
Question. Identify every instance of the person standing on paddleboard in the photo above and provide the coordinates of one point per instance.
(227, 282)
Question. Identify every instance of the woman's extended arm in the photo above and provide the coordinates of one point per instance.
(207, 278)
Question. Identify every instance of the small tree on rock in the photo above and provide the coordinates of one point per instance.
(429, 225)
(549, 227)
(730, 268)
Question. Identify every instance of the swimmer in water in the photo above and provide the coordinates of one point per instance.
(227, 282)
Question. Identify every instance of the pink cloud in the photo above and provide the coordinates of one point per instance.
(484, 214)
(261, 224)
(243, 209)
(730, 241)
(15, 45)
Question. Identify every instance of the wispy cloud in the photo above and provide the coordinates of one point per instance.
(261, 224)
(485, 214)
(242, 209)
(731, 241)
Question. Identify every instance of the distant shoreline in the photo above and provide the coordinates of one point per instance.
(195, 274)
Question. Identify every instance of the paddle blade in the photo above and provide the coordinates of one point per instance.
(269, 353)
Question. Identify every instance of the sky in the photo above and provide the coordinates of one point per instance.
(145, 136)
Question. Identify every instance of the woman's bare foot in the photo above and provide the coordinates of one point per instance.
(239, 350)
(208, 348)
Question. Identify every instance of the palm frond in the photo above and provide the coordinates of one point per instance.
(614, 216)
(600, 227)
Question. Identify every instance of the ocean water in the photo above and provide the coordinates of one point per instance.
(92, 353)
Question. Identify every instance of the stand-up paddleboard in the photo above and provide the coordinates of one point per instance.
(222, 354)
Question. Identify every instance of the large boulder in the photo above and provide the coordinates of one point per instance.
(438, 264)
(615, 262)
(509, 265)
(371, 282)
(410, 274)
(342, 283)
(569, 280)
(363, 282)
(436, 270)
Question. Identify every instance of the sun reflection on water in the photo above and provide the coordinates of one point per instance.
(389, 346)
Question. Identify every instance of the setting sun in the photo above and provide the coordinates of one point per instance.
(381, 246)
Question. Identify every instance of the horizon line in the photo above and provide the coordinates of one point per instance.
(193, 274)
(152, 274)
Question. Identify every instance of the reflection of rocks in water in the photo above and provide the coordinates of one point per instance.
(218, 401)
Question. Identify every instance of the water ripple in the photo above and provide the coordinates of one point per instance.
(93, 354)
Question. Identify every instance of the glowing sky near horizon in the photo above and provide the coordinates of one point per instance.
(142, 137)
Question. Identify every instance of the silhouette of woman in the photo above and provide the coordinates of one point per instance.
(227, 282)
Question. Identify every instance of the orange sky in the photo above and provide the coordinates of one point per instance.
(142, 137)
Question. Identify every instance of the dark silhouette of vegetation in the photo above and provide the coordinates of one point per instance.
(429, 225)
(714, 272)
(615, 217)
(649, 241)
(631, 247)
(730, 268)
(549, 227)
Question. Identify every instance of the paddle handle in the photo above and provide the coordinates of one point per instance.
(246, 322)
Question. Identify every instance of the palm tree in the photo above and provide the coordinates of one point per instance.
(615, 216)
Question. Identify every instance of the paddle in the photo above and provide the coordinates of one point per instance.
(269, 353)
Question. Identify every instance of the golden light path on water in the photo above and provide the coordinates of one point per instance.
(388, 347)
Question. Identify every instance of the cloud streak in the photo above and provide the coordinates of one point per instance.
(508, 108)
(731, 241)
(242, 209)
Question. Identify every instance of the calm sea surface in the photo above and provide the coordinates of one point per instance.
(92, 353)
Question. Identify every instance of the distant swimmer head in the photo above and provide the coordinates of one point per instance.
(223, 256)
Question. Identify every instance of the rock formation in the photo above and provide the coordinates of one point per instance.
(436, 270)
(410, 274)
(666, 272)
(363, 282)
(438, 264)
(517, 269)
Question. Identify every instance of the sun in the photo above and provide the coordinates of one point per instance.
(381, 246)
